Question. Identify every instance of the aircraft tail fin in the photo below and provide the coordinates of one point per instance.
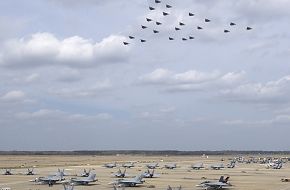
(221, 179)
(92, 177)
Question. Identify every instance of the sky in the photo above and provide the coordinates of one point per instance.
(69, 83)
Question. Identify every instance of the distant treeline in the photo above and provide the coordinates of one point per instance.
(143, 152)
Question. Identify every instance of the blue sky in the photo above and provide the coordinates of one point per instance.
(69, 83)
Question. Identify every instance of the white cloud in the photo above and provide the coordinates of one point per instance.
(191, 80)
(13, 96)
(45, 49)
(269, 92)
(50, 114)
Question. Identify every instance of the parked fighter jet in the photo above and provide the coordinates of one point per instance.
(274, 165)
(120, 174)
(152, 166)
(177, 188)
(221, 184)
(50, 180)
(197, 166)
(30, 171)
(83, 181)
(232, 164)
(128, 165)
(7, 172)
(170, 166)
(68, 186)
(110, 165)
(148, 174)
(129, 182)
(85, 173)
(217, 166)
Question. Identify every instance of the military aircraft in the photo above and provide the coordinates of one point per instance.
(128, 165)
(7, 172)
(120, 174)
(197, 166)
(170, 166)
(50, 180)
(170, 188)
(221, 184)
(30, 171)
(110, 165)
(232, 164)
(274, 165)
(190, 14)
(129, 182)
(152, 166)
(148, 174)
(217, 166)
(68, 186)
(83, 181)
(85, 173)
(168, 6)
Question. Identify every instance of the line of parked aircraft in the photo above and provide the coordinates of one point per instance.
(89, 176)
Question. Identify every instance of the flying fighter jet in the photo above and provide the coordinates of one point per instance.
(226, 31)
(142, 40)
(84, 181)
(197, 166)
(191, 37)
(190, 14)
(217, 166)
(120, 174)
(129, 182)
(148, 19)
(184, 39)
(157, 1)
(176, 28)
(152, 166)
(170, 166)
(181, 24)
(131, 37)
(170, 38)
(168, 6)
(199, 28)
(249, 28)
(232, 24)
(158, 23)
(111, 165)
(165, 13)
(221, 184)
(151, 8)
(207, 20)
(143, 27)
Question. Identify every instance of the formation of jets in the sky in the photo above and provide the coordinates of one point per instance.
(154, 25)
